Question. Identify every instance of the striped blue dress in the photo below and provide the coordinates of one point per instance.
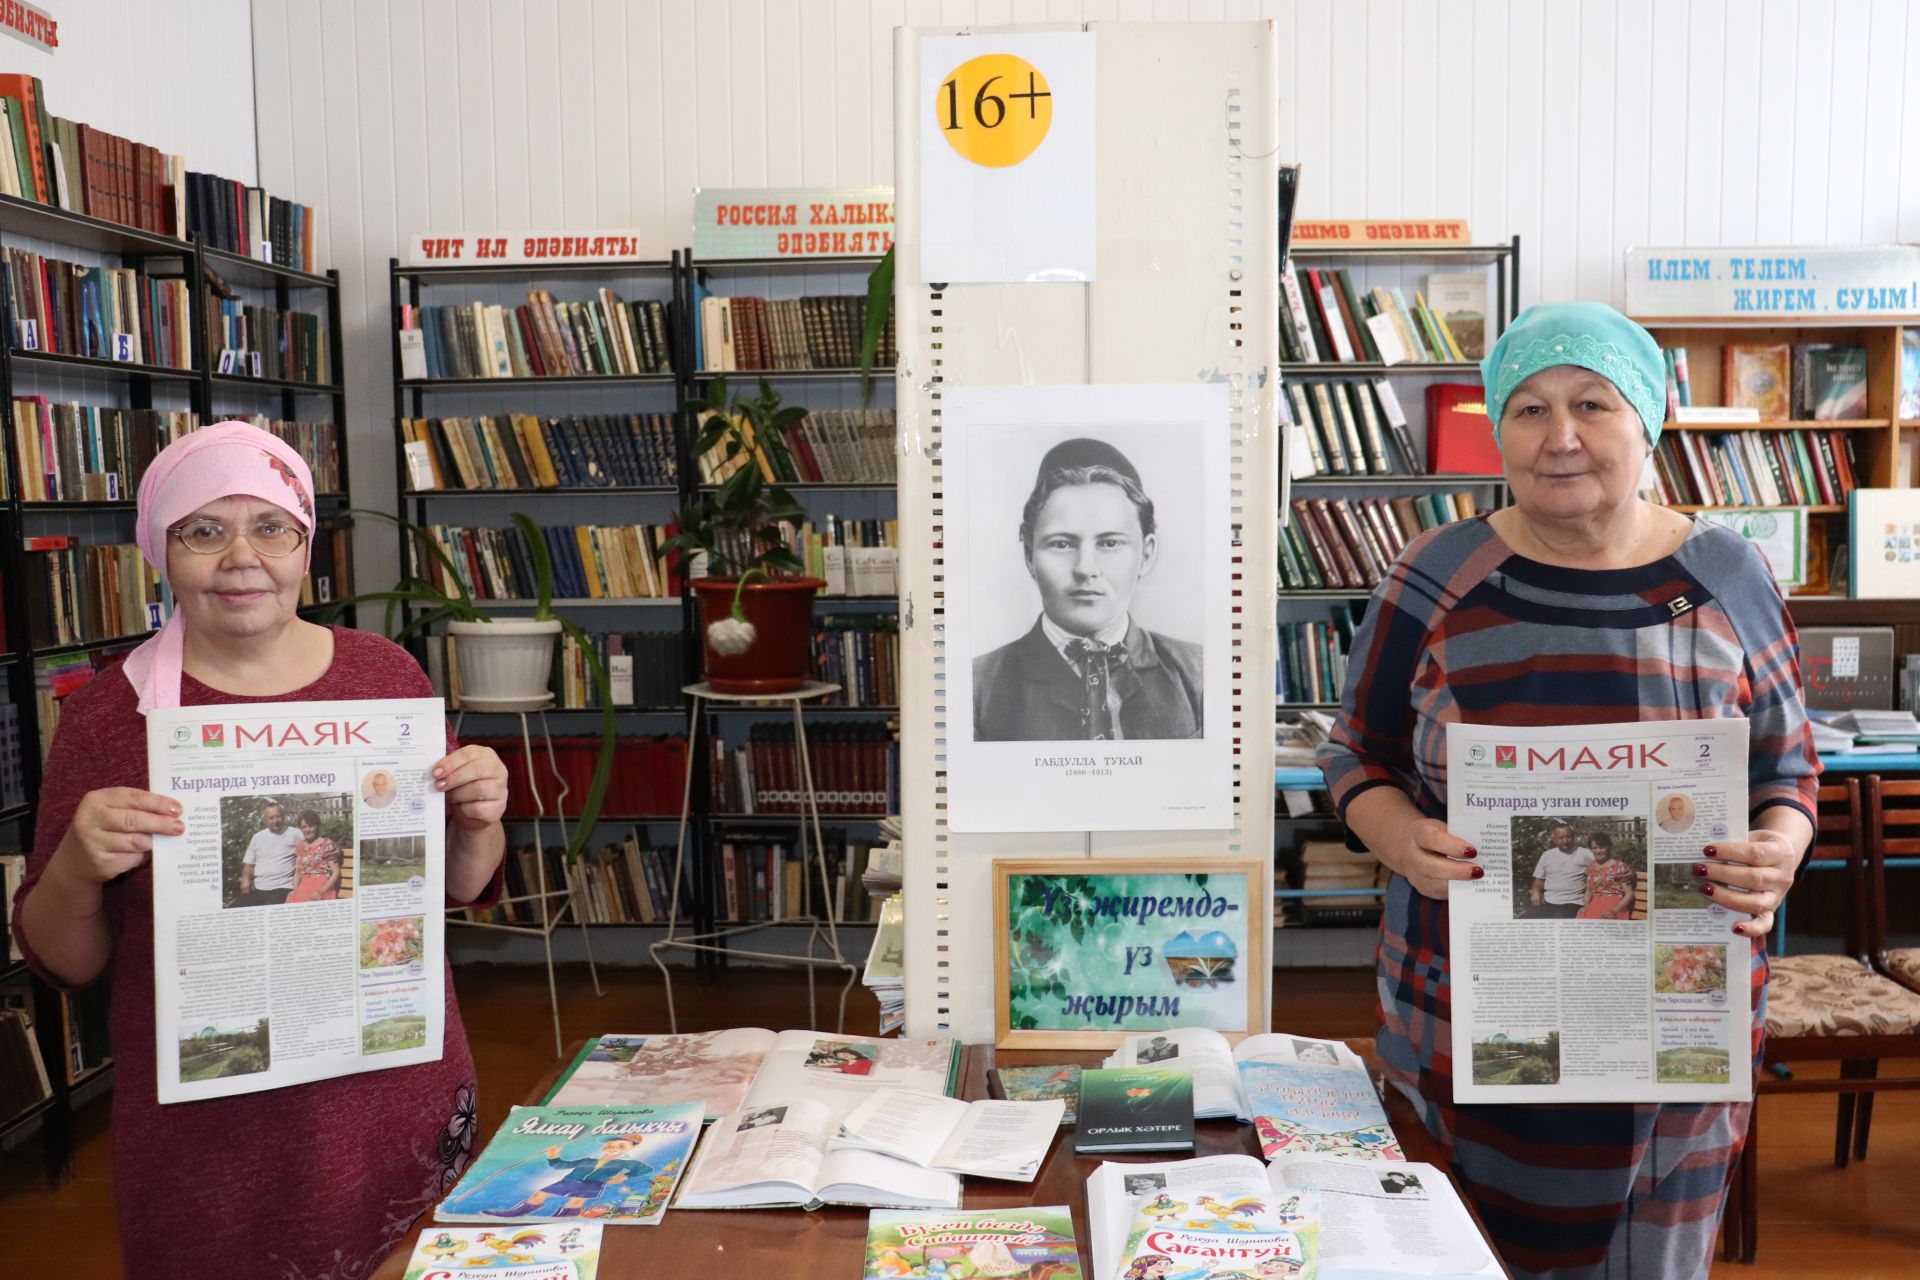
(1463, 629)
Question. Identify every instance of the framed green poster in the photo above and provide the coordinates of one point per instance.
(1088, 951)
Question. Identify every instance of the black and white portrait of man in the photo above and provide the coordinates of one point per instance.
(1089, 608)
(1086, 669)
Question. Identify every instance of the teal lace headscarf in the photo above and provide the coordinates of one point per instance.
(1591, 335)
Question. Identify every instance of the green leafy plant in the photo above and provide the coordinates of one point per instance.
(879, 311)
(737, 525)
(456, 604)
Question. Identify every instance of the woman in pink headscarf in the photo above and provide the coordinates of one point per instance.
(310, 1180)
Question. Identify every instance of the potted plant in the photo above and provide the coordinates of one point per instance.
(756, 604)
(505, 661)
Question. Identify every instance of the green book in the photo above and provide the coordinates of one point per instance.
(1134, 1109)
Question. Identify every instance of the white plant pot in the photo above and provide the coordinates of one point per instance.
(505, 664)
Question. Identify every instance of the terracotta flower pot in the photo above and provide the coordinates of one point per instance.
(780, 659)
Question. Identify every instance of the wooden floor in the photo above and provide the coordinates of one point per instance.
(1816, 1220)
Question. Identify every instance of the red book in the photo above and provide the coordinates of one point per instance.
(25, 90)
(1459, 434)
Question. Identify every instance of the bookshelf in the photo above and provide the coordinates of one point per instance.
(1316, 622)
(1877, 442)
(79, 1073)
(680, 281)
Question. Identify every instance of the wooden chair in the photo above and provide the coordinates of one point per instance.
(1828, 1008)
(1892, 829)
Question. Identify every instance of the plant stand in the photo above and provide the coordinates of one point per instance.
(714, 941)
(554, 903)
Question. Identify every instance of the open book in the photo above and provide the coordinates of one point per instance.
(989, 1139)
(1302, 1094)
(1345, 1219)
(718, 1069)
(779, 1156)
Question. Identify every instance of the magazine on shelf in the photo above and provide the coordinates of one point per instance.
(780, 1156)
(1232, 1216)
(1036, 1241)
(985, 1138)
(614, 1165)
(510, 1251)
(723, 1070)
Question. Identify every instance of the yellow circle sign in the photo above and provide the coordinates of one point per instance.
(994, 110)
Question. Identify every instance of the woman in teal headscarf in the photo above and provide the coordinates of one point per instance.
(1578, 604)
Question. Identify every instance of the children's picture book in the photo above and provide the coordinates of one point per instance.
(724, 1070)
(1134, 1109)
(1320, 1101)
(511, 1251)
(780, 1157)
(1038, 1084)
(606, 1164)
(977, 1242)
(1459, 299)
(1303, 1216)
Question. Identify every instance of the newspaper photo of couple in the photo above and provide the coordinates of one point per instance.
(1579, 867)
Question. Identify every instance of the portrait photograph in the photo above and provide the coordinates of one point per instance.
(1674, 812)
(282, 849)
(1089, 622)
(1579, 866)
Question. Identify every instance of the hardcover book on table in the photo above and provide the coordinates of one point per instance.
(1134, 1109)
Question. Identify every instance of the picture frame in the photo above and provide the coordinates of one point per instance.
(1081, 957)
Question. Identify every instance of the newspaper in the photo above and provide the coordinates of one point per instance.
(297, 924)
(1587, 964)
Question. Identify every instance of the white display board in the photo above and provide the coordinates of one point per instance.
(1187, 139)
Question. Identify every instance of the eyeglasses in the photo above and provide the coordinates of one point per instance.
(273, 538)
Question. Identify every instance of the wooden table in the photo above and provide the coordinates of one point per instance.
(830, 1243)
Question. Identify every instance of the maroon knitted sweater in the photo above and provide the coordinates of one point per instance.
(306, 1181)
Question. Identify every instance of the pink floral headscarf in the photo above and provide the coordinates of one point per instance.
(225, 460)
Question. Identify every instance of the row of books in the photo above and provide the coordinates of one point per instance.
(105, 313)
(644, 669)
(24, 1083)
(1754, 468)
(625, 883)
(541, 338)
(861, 654)
(763, 879)
(786, 333)
(79, 594)
(85, 1032)
(317, 442)
(589, 561)
(1347, 544)
(828, 446)
(854, 557)
(13, 782)
(57, 678)
(648, 773)
(1353, 427)
(266, 342)
(1312, 662)
(523, 451)
(249, 221)
(1801, 381)
(74, 166)
(13, 870)
(1326, 319)
(87, 453)
(856, 769)
(330, 570)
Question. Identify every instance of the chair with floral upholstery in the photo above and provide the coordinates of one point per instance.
(1828, 1008)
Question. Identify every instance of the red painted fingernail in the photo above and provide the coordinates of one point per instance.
(1711, 851)
(1477, 873)
(1471, 853)
(1700, 868)
(1707, 889)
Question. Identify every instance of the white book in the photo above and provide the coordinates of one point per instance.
(778, 1156)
